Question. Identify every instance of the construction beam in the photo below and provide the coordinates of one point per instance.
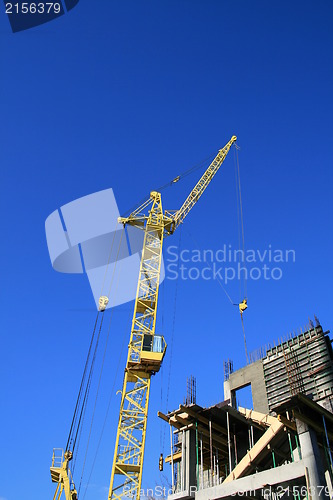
(315, 406)
(256, 451)
(265, 419)
(202, 419)
(181, 424)
(218, 439)
(179, 420)
(317, 427)
(162, 416)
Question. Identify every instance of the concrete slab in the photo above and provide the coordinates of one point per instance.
(249, 484)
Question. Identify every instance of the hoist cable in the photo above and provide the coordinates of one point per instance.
(241, 240)
(102, 366)
(115, 264)
(94, 409)
(173, 181)
(86, 394)
(80, 429)
(241, 217)
(109, 258)
(186, 173)
(162, 295)
(109, 402)
(84, 410)
(161, 405)
(77, 448)
(172, 333)
(246, 353)
(238, 218)
(73, 424)
(211, 268)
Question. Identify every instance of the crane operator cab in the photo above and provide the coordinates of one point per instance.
(153, 349)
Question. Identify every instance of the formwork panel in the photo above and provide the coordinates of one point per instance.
(301, 364)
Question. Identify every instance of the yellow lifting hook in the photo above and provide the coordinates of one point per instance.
(242, 306)
(102, 303)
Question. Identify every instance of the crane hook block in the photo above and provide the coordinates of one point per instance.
(102, 303)
(68, 455)
(242, 306)
(160, 462)
(176, 179)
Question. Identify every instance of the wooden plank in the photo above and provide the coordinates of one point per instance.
(202, 419)
(176, 457)
(255, 452)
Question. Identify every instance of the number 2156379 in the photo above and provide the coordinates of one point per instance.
(33, 8)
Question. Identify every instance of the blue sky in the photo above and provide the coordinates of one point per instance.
(128, 95)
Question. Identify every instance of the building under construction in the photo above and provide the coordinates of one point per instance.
(281, 447)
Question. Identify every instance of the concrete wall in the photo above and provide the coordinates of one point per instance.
(251, 374)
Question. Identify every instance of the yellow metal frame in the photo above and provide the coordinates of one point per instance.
(61, 474)
(127, 465)
(130, 441)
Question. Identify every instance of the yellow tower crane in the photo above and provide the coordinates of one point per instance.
(146, 350)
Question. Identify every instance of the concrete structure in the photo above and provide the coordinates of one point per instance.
(253, 375)
(282, 448)
(301, 364)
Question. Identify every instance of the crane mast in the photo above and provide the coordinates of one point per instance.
(146, 349)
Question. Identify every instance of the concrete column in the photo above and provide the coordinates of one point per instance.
(229, 394)
(190, 460)
(312, 459)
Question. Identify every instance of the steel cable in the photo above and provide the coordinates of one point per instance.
(74, 420)
(173, 181)
(102, 366)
